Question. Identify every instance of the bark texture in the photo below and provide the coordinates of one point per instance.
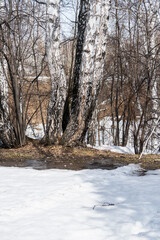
(6, 134)
(4, 110)
(154, 16)
(58, 79)
(89, 68)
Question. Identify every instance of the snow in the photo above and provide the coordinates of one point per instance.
(35, 132)
(117, 149)
(75, 205)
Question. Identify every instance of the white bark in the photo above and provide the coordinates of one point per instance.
(90, 69)
(155, 16)
(3, 95)
(4, 109)
(58, 78)
(154, 19)
(3, 86)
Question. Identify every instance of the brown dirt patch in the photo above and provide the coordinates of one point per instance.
(34, 154)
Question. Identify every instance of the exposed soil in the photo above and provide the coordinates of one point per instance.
(46, 157)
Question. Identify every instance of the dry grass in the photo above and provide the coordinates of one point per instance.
(77, 156)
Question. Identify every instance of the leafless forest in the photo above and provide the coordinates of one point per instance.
(103, 63)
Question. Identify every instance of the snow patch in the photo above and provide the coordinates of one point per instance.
(112, 148)
(59, 204)
(35, 132)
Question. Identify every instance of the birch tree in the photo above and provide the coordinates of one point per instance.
(154, 18)
(58, 78)
(89, 68)
(5, 133)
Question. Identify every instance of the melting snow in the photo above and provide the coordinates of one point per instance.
(76, 205)
(117, 149)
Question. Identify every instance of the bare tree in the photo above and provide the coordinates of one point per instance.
(88, 72)
(19, 39)
(89, 68)
(132, 70)
(57, 74)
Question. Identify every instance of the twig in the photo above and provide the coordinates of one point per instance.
(104, 205)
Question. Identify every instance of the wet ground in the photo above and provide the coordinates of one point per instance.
(40, 157)
(107, 164)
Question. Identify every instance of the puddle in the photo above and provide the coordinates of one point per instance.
(105, 164)
(36, 164)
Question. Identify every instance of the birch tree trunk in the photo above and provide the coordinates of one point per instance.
(3, 105)
(155, 21)
(58, 78)
(5, 128)
(89, 68)
(6, 135)
(153, 49)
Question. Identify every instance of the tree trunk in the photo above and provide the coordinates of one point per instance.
(154, 86)
(89, 68)
(58, 78)
(13, 127)
(6, 134)
(92, 130)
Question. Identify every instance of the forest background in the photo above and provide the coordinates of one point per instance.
(105, 65)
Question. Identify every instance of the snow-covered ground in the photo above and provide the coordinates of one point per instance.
(79, 205)
(117, 149)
